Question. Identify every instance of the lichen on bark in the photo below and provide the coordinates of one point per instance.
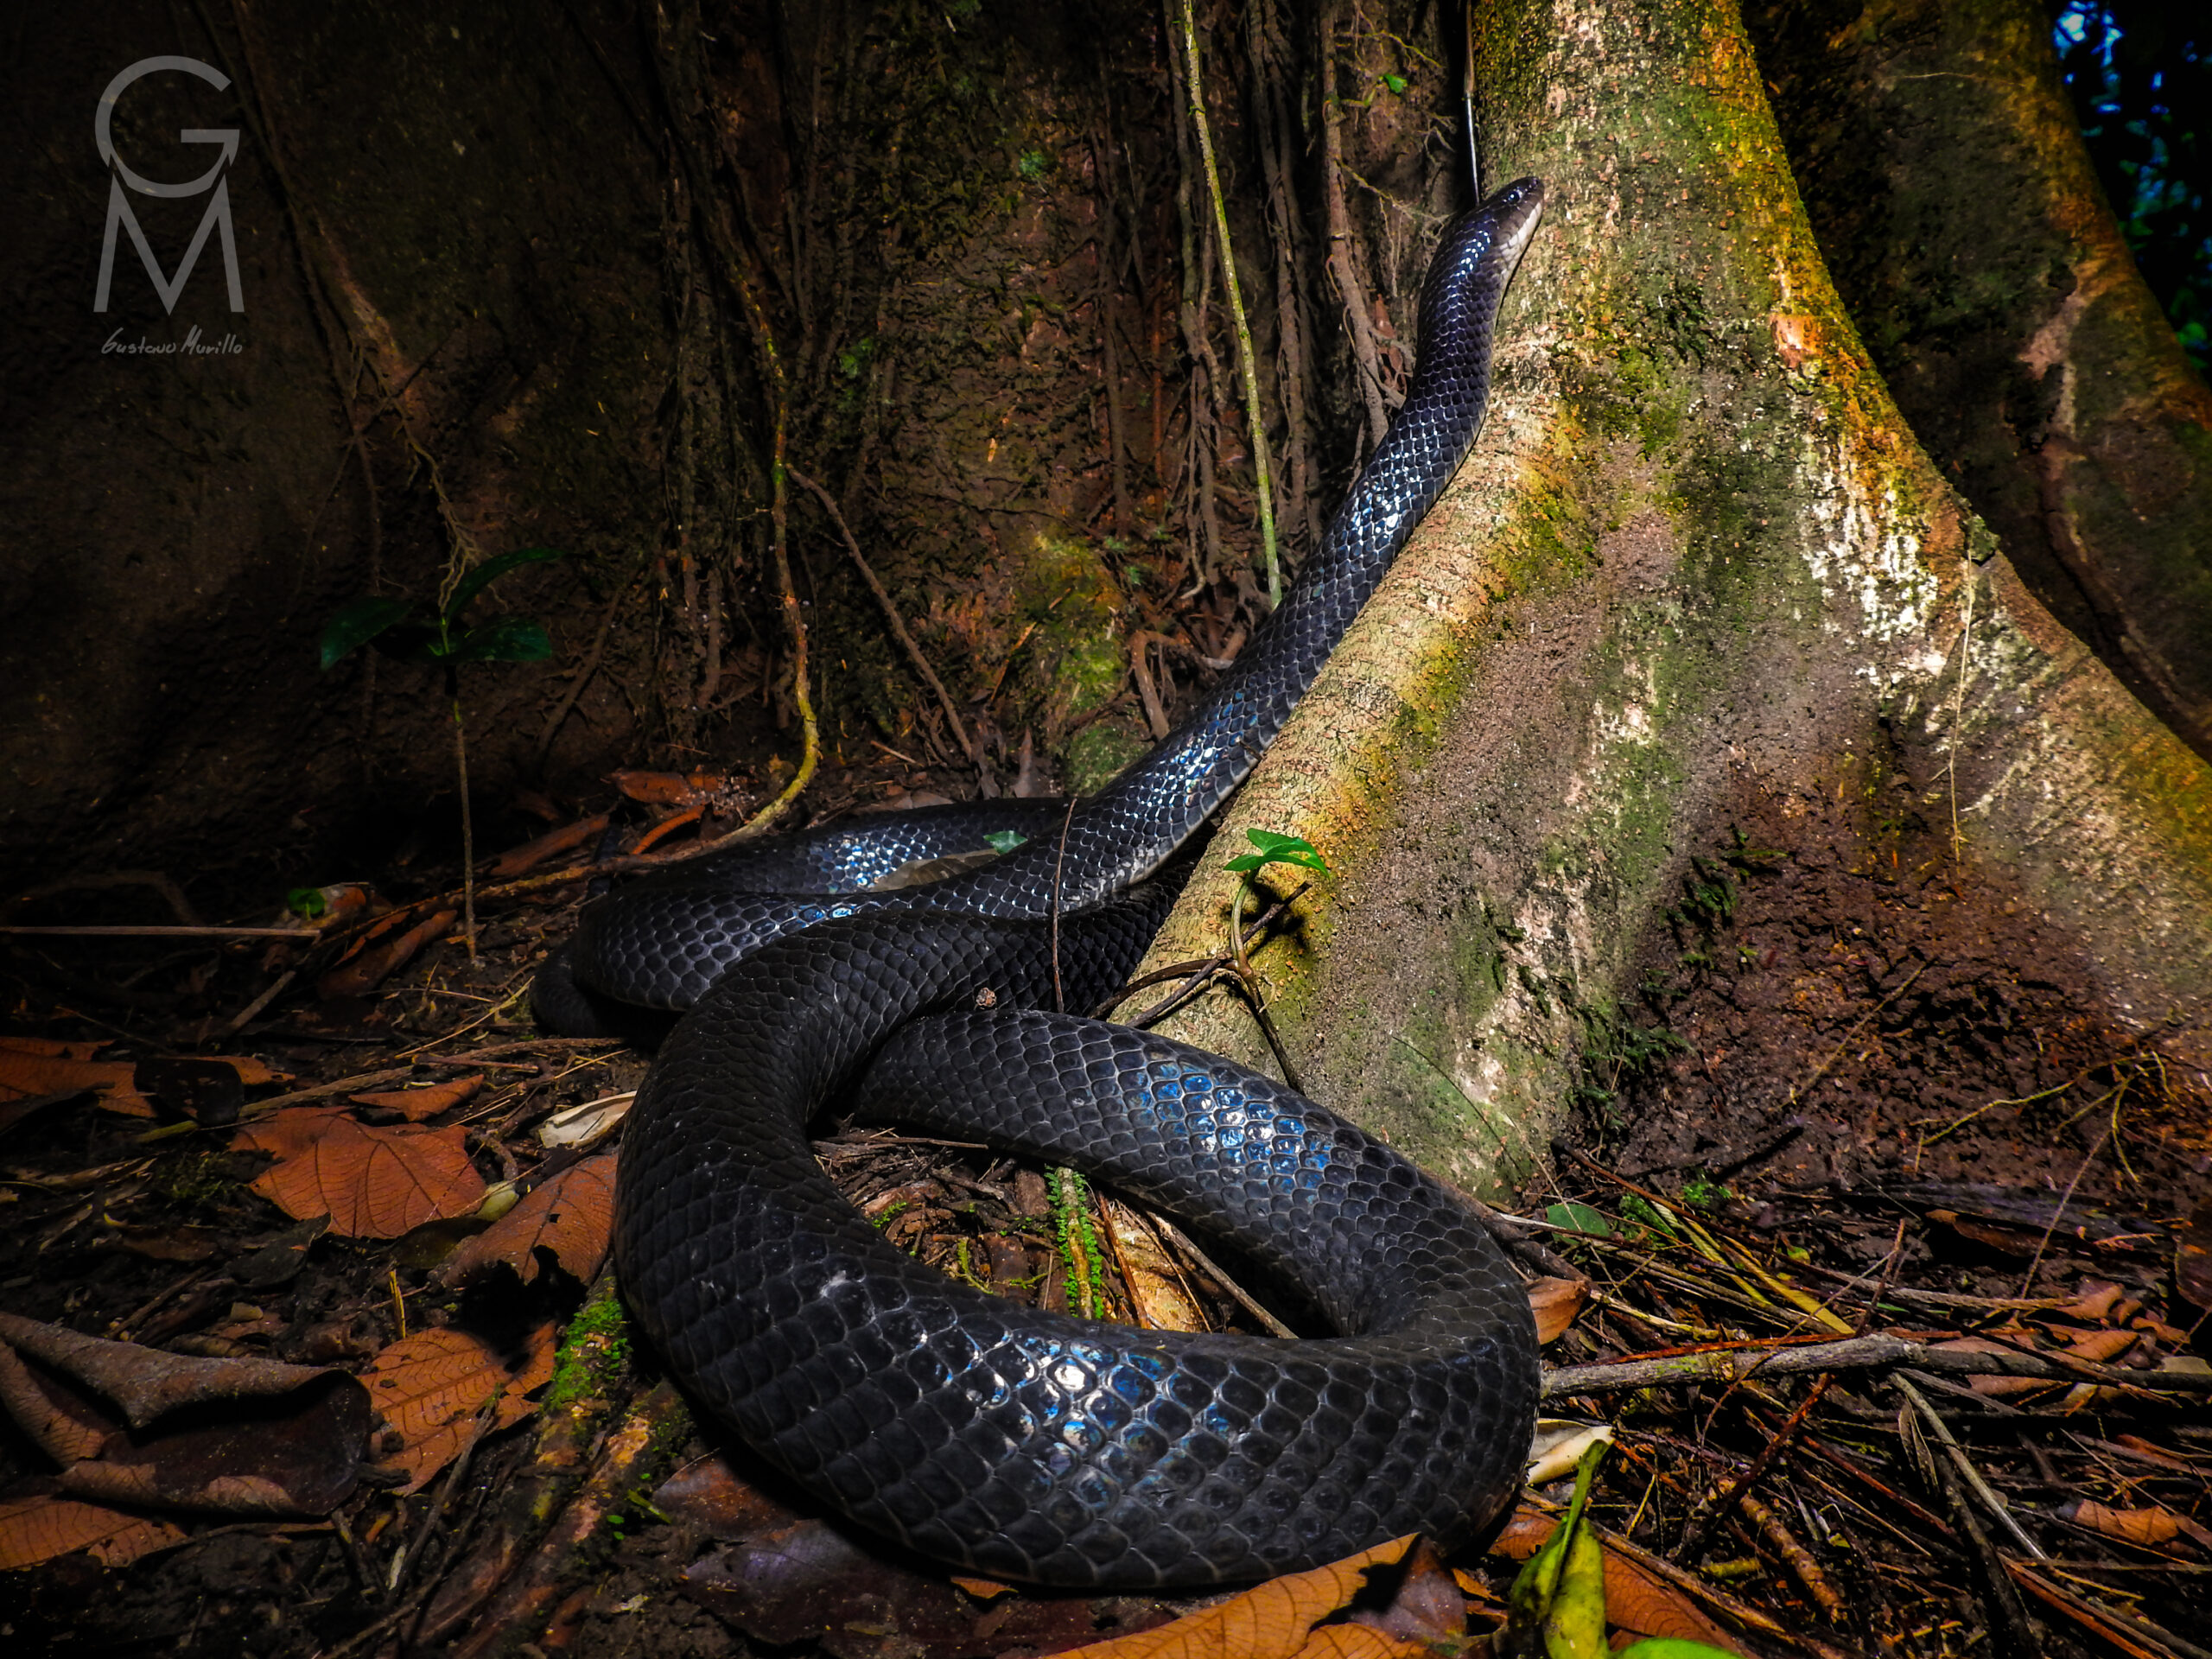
(1698, 551)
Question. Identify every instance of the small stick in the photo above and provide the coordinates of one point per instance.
(890, 612)
(1997, 1508)
(1858, 1353)
(1181, 1241)
(170, 932)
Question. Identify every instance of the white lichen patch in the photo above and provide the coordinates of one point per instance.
(1867, 551)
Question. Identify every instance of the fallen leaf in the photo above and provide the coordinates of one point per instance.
(1154, 1286)
(30, 1067)
(295, 1454)
(806, 1581)
(570, 1217)
(2146, 1527)
(1275, 1621)
(664, 788)
(708, 1494)
(1637, 1599)
(1556, 1303)
(417, 1104)
(35, 1529)
(241, 1437)
(2093, 1304)
(586, 1123)
(2102, 1347)
(375, 963)
(1560, 1446)
(431, 1386)
(60, 1422)
(371, 1182)
(52, 1047)
(530, 854)
(147, 1383)
(1993, 1387)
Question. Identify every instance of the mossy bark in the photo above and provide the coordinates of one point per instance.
(1965, 230)
(1698, 551)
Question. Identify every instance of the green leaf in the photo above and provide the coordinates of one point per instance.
(503, 639)
(306, 901)
(1005, 841)
(489, 572)
(1672, 1647)
(356, 625)
(1276, 849)
(1581, 1218)
(1396, 83)
(1556, 1609)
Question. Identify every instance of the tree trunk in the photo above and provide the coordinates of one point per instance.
(1702, 596)
(1937, 155)
(1700, 574)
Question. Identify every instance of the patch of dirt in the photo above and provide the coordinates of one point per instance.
(1840, 1002)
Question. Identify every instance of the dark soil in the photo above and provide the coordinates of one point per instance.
(1849, 1007)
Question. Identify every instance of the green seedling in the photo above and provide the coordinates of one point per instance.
(448, 640)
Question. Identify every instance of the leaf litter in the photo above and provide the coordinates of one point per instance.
(1886, 1407)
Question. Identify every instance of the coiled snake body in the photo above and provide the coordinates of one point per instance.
(1012, 1442)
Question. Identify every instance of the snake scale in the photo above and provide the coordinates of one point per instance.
(1010, 1440)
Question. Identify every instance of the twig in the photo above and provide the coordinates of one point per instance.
(1998, 1509)
(171, 933)
(891, 613)
(1181, 1241)
(1802, 1564)
(1856, 1354)
(1059, 859)
(1740, 1490)
(410, 1552)
(1246, 357)
(2007, 1618)
(2117, 1625)
(2027, 1279)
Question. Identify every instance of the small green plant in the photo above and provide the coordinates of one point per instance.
(1271, 848)
(1005, 841)
(448, 640)
(1079, 1240)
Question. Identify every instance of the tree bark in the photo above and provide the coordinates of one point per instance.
(1699, 560)
(1965, 230)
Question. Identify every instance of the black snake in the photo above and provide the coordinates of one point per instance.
(1013, 1441)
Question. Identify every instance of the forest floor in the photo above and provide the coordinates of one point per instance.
(1885, 1257)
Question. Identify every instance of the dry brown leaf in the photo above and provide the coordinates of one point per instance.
(1275, 1621)
(2101, 1347)
(62, 1422)
(1161, 1303)
(430, 1387)
(1556, 1303)
(1995, 1387)
(374, 962)
(2094, 1301)
(2147, 1528)
(149, 1383)
(516, 860)
(417, 1104)
(371, 1182)
(666, 788)
(35, 1529)
(28, 1068)
(53, 1047)
(572, 1216)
